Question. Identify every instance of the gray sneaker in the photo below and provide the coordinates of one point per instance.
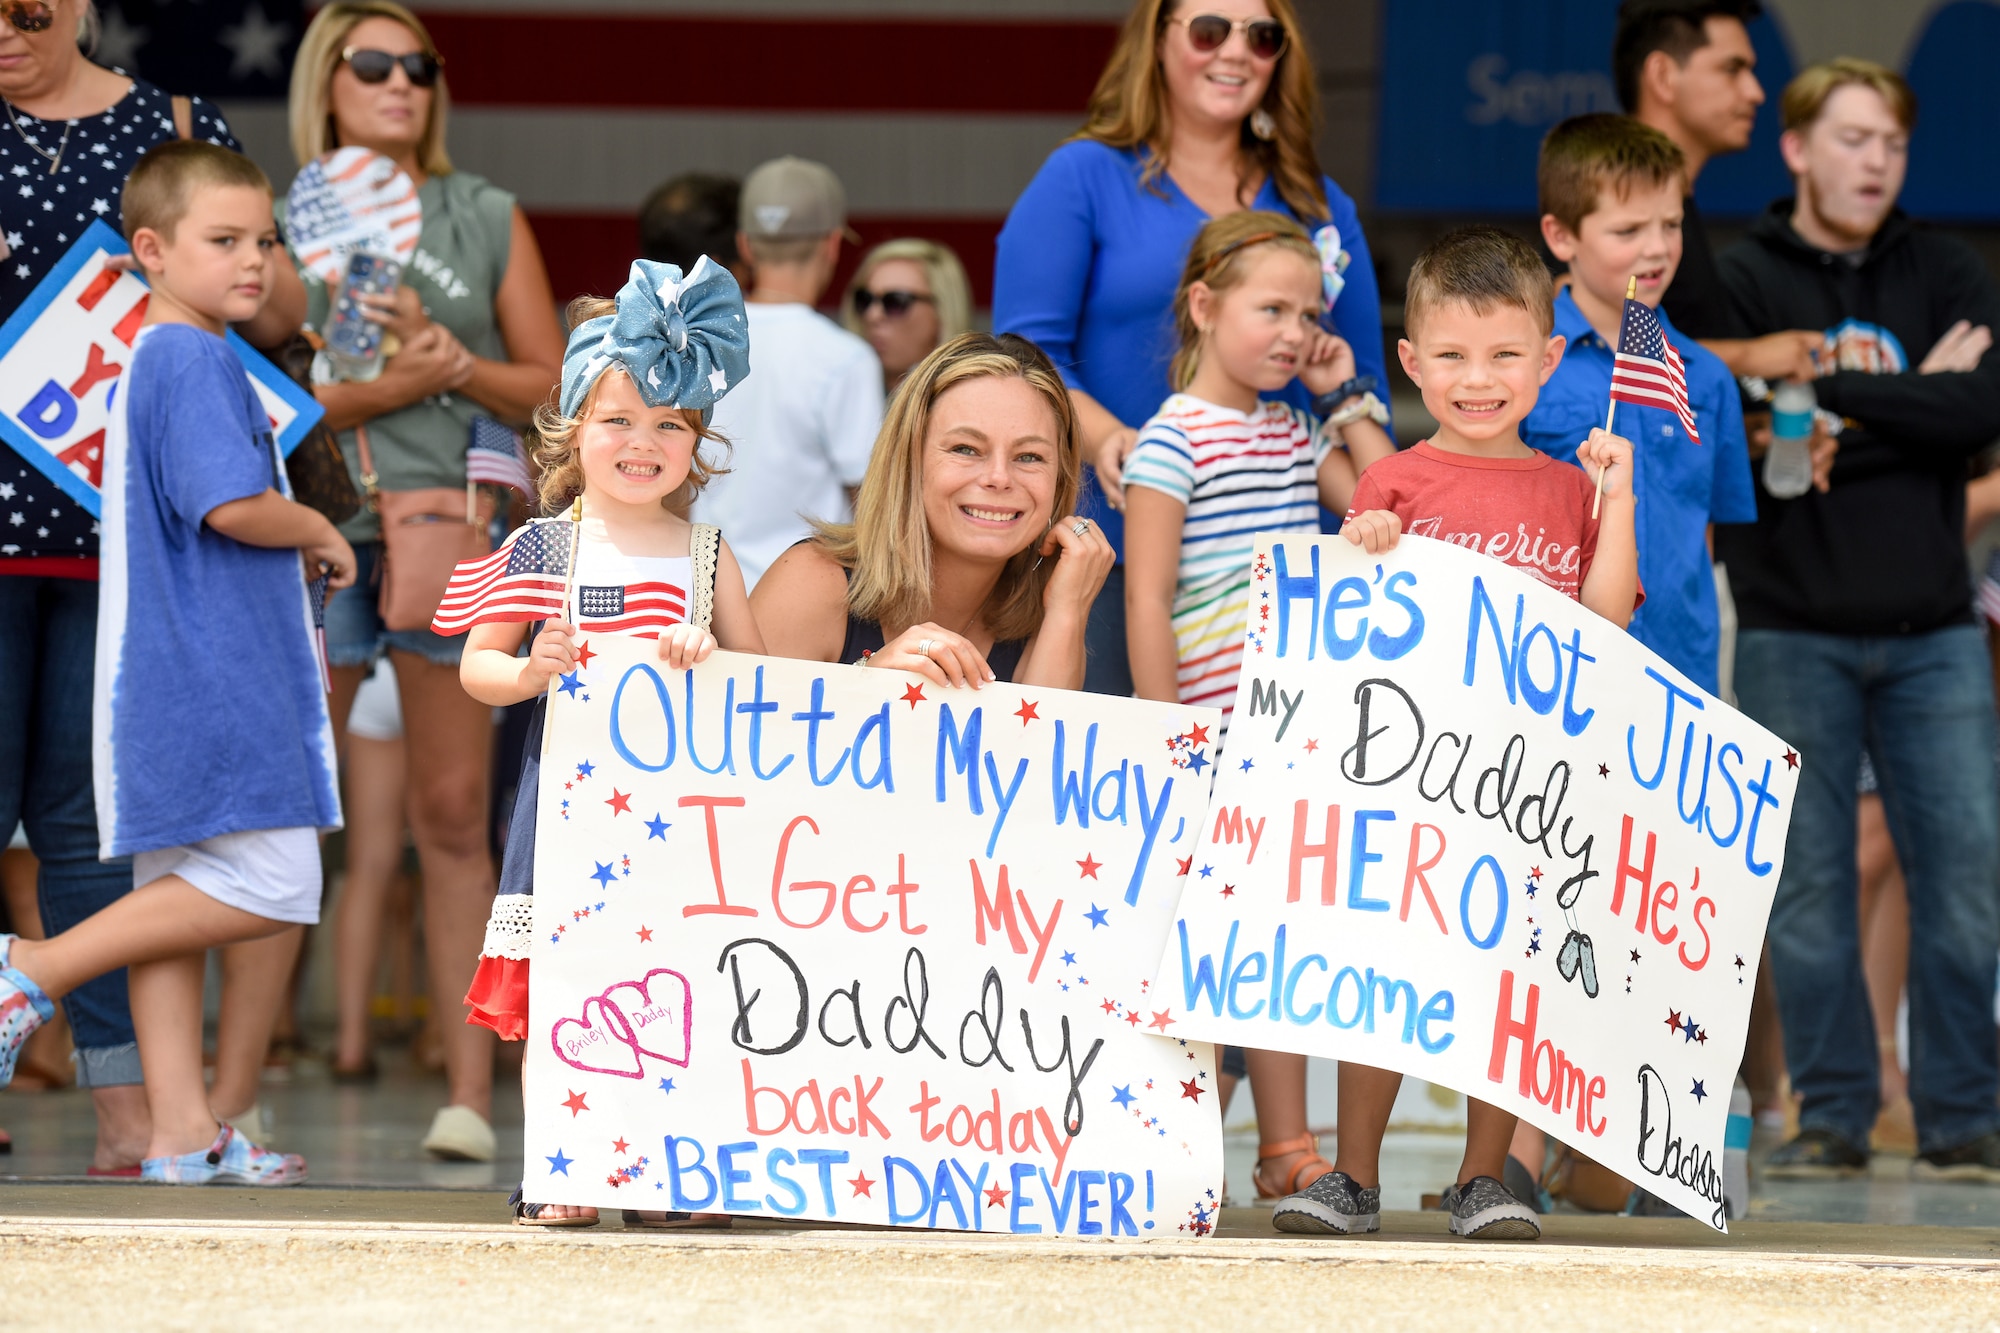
(1333, 1205)
(1482, 1208)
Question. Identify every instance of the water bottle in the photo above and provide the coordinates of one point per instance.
(1736, 1153)
(1788, 465)
(353, 341)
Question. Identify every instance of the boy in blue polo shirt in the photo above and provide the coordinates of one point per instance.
(1611, 191)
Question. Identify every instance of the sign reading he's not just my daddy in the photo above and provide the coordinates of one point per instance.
(1468, 830)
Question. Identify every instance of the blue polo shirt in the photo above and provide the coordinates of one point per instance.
(1681, 486)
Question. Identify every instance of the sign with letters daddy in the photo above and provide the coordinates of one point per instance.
(832, 942)
(1467, 830)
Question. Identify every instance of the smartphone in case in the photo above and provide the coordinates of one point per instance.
(354, 341)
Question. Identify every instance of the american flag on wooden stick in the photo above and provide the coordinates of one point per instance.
(494, 455)
(524, 580)
(1647, 369)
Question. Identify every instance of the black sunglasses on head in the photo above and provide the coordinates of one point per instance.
(893, 303)
(1209, 32)
(420, 67)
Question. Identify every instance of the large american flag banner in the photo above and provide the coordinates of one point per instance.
(1647, 370)
(524, 580)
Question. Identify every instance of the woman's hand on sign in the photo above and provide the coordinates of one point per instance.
(1327, 364)
(1610, 454)
(332, 556)
(936, 654)
(684, 646)
(552, 654)
(1083, 561)
(1374, 531)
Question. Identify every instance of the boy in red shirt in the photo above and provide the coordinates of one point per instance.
(1479, 315)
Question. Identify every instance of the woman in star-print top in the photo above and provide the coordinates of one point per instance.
(73, 131)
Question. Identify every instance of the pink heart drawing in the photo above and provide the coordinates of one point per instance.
(608, 1041)
(660, 1020)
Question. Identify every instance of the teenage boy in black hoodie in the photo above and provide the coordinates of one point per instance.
(1857, 625)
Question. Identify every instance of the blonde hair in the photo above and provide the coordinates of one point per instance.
(887, 549)
(1128, 109)
(561, 479)
(1483, 269)
(163, 184)
(1805, 96)
(951, 294)
(1215, 260)
(313, 132)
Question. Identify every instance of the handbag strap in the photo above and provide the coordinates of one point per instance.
(368, 477)
(705, 546)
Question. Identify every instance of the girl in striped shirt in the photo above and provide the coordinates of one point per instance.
(1216, 465)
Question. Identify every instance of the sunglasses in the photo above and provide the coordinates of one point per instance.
(421, 67)
(29, 15)
(894, 304)
(1209, 32)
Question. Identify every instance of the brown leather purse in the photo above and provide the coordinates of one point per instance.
(425, 533)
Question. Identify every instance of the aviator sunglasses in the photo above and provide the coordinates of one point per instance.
(375, 66)
(29, 15)
(1208, 32)
(894, 304)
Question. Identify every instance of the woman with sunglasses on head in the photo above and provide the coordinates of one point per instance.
(908, 297)
(476, 336)
(74, 131)
(1205, 108)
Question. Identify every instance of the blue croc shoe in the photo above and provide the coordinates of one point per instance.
(230, 1160)
(23, 1008)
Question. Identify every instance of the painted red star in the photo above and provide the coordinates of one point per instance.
(862, 1184)
(583, 653)
(1535, 873)
(619, 1145)
(1132, 1017)
(1701, 1036)
(1186, 864)
(1673, 1020)
(575, 1103)
(1108, 1006)
(996, 1196)
(1604, 770)
(1198, 736)
(1089, 867)
(1161, 1020)
(645, 934)
(1311, 745)
(1791, 759)
(1229, 890)
(1026, 712)
(620, 802)
(913, 696)
(1192, 1090)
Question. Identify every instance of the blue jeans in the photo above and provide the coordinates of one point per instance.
(47, 651)
(1923, 705)
(355, 634)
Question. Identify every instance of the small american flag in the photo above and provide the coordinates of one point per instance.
(494, 455)
(1989, 589)
(1647, 369)
(316, 594)
(522, 581)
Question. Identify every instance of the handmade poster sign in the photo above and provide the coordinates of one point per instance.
(832, 942)
(352, 200)
(63, 350)
(1468, 830)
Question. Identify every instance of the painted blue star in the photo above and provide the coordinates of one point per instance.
(1095, 916)
(1532, 888)
(1122, 1096)
(1699, 1091)
(1534, 946)
(1247, 763)
(1206, 871)
(666, 1085)
(604, 874)
(585, 769)
(570, 684)
(1069, 960)
(657, 827)
(1687, 1028)
(560, 1163)
(1198, 761)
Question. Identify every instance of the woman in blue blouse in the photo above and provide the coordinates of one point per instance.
(1206, 107)
(1183, 127)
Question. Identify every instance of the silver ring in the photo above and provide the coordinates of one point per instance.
(1081, 526)
(924, 647)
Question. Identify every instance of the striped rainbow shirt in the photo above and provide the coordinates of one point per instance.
(1238, 476)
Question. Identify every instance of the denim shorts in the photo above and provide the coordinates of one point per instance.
(355, 634)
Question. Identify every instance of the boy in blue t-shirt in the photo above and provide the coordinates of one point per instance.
(1611, 191)
(214, 759)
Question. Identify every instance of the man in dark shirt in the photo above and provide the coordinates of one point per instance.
(1857, 627)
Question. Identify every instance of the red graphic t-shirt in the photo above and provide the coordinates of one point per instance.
(1533, 513)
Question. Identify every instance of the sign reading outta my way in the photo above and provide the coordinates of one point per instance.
(1468, 830)
(821, 941)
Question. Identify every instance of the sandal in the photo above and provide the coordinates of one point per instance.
(1303, 1173)
(530, 1214)
(651, 1221)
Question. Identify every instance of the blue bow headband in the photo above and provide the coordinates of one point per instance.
(682, 339)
